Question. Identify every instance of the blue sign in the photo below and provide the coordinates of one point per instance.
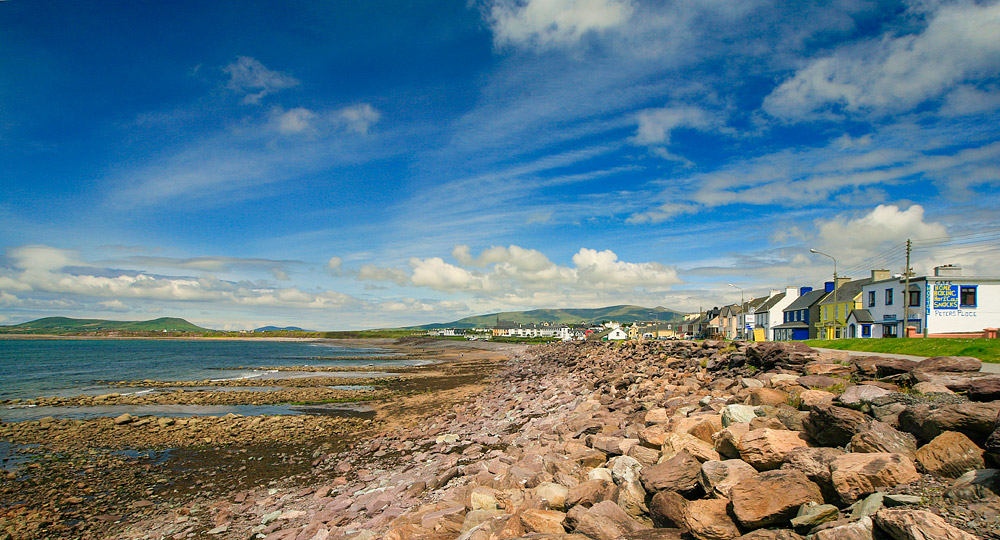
(945, 296)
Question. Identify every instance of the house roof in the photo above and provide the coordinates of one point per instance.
(792, 324)
(770, 303)
(862, 315)
(846, 292)
(807, 300)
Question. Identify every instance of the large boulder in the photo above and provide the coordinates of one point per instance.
(860, 394)
(591, 492)
(815, 463)
(765, 449)
(736, 413)
(707, 519)
(543, 521)
(953, 364)
(727, 441)
(679, 473)
(908, 524)
(975, 420)
(675, 443)
(719, 477)
(768, 354)
(771, 534)
(820, 381)
(881, 437)
(607, 521)
(862, 529)
(766, 396)
(877, 366)
(772, 497)
(984, 389)
(830, 425)
(950, 454)
(856, 475)
(668, 509)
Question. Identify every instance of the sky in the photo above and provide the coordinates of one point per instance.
(341, 165)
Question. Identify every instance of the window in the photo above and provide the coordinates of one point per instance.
(967, 296)
(914, 298)
(837, 332)
(866, 329)
(871, 298)
(888, 297)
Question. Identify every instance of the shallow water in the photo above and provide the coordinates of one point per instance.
(23, 414)
(30, 368)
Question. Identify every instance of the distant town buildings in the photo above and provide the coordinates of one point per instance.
(880, 305)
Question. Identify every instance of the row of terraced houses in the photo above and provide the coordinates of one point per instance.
(881, 305)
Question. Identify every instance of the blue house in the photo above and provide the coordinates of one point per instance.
(800, 314)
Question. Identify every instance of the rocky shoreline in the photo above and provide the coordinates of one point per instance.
(652, 441)
(87, 478)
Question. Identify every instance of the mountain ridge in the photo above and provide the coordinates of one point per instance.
(622, 313)
(57, 325)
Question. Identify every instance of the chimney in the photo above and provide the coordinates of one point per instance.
(948, 270)
(791, 292)
(774, 292)
(828, 286)
(881, 275)
(841, 281)
(803, 290)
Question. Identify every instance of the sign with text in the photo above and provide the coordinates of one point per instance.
(945, 296)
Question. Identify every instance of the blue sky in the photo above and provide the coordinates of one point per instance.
(338, 165)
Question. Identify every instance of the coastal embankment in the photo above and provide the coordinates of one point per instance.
(636, 440)
(654, 441)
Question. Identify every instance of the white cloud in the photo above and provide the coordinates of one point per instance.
(602, 268)
(208, 264)
(655, 125)
(852, 239)
(44, 269)
(436, 274)
(370, 272)
(359, 118)
(115, 305)
(554, 22)
(334, 263)
(292, 121)
(896, 73)
(248, 76)
(43, 258)
(970, 100)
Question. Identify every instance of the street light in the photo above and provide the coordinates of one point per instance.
(836, 308)
(740, 332)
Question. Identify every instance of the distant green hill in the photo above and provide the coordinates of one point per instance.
(66, 325)
(281, 329)
(623, 314)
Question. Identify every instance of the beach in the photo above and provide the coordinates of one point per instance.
(86, 477)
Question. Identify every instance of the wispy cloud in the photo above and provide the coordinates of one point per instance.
(249, 77)
(896, 72)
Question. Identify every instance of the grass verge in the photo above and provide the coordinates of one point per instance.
(987, 350)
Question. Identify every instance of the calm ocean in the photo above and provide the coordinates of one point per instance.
(31, 368)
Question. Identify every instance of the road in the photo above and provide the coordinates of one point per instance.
(987, 368)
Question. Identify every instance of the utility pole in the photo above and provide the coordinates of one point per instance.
(906, 290)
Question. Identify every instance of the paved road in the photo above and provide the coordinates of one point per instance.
(987, 368)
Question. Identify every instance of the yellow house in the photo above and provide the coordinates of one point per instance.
(834, 309)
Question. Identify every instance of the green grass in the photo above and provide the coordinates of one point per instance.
(987, 350)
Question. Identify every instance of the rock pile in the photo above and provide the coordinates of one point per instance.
(660, 441)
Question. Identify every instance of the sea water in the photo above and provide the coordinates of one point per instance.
(31, 368)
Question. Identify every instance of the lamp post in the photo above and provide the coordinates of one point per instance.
(739, 331)
(836, 308)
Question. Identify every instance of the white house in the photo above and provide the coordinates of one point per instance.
(945, 304)
(617, 334)
(769, 314)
